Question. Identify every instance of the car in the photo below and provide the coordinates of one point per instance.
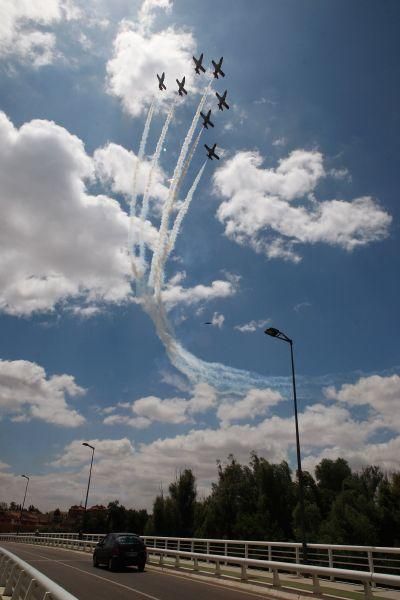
(117, 550)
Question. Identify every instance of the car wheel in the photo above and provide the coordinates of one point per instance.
(141, 566)
(95, 561)
(113, 564)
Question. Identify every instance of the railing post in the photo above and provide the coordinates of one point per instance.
(177, 564)
(330, 559)
(243, 572)
(276, 582)
(196, 564)
(371, 564)
(367, 590)
(217, 568)
(246, 550)
(316, 585)
(297, 558)
(269, 556)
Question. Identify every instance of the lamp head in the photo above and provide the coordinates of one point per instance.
(88, 445)
(272, 331)
(26, 476)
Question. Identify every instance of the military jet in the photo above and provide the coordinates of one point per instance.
(161, 85)
(208, 323)
(206, 120)
(217, 68)
(221, 100)
(181, 84)
(199, 67)
(210, 152)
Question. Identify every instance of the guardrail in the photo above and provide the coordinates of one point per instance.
(276, 568)
(20, 581)
(376, 559)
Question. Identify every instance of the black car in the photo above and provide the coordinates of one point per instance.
(120, 549)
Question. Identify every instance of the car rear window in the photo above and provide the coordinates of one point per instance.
(127, 539)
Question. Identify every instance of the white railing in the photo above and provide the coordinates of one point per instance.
(20, 581)
(376, 559)
(269, 568)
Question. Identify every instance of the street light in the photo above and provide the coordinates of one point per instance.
(90, 471)
(23, 503)
(271, 331)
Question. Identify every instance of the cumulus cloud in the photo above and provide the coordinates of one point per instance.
(140, 53)
(152, 409)
(177, 294)
(272, 210)
(57, 241)
(254, 404)
(27, 393)
(381, 394)
(251, 326)
(21, 29)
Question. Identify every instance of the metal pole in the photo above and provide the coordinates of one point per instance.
(90, 475)
(299, 469)
(23, 503)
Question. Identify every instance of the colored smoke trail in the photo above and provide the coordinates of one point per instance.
(183, 210)
(132, 205)
(156, 275)
(154, 165)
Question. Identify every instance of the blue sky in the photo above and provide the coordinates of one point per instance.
(295, 226)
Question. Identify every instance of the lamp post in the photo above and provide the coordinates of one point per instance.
(23, 503)
(282, 336)
(90, 472)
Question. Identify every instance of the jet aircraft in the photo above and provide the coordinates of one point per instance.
(161, 85)
(221, 100)
(199, 67)
(181, 84)
(217, 68)
(210, 152)
(206, 120)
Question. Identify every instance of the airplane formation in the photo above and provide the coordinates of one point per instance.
(217, 72)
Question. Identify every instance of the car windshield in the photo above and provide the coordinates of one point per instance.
(127, 539)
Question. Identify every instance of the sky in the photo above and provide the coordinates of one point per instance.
(119, 240)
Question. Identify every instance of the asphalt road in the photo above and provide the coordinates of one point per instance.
(75, 573)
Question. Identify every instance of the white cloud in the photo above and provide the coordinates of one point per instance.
(259, 209)
(176, 411)
(382, 394)
(146, 12)
(139, 54)
(21, 28)
(301, 305)
(176, 294)
(281, 141)
(252, 326)
(27, 393)
(217, 320)
(57, 241)
(255, 403)
(75, 454)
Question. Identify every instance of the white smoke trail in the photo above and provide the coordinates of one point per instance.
(154, 164)
(155, 278)
(183, 210)
(223, 378)
(132, 205)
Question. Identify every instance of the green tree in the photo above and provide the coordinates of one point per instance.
(116, 516)
(183, 495)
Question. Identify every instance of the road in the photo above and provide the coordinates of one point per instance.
(75, 573)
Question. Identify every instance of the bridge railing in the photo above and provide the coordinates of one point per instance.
(20, 581)
(248, 567)
(377, 559)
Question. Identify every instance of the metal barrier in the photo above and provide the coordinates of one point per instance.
(20, 581)
(276, 568)
(376, 559)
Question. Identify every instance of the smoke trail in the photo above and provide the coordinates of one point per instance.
(155, 278)
(225, 379)
(132, 205)
(154, 164)
(183, 210)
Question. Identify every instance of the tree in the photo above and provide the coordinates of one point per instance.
(183, 495)
(116, 516)
(330, 475)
